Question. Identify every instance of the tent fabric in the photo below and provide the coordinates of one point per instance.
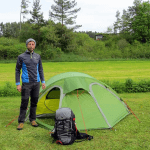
(95, 104)
(112, 107)
(91, 115)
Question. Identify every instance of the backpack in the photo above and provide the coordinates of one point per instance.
(65, 131)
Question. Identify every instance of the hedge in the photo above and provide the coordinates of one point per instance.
(11, 48)
(128, 87)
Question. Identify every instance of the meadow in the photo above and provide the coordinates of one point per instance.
(101, 70)
(128, 134)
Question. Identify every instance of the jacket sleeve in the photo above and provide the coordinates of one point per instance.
(41, 71)
(18, 68)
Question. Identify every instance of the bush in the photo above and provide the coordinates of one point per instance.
(51, 52)
(27, 32)
(11, 48)
(9, 90)
(81, 44)
(122, 44)
(48, 35)
(118, 87)
(11, 52)
(7, 41)
(128, 87)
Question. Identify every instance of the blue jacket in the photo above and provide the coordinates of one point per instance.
(31, 65)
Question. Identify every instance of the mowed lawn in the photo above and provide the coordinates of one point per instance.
(128, 134)
(102, 70)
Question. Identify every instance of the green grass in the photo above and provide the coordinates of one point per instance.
(101, 70)
(128, 134)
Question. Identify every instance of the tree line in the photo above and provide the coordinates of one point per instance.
(134, 23)
(128, 37)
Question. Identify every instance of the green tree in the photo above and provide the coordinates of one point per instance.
(37, 19)
(117, 25)
(1, 29)
(27, 32)
(65, 36)
(141, 23)
(110, 29)
(49, 35)
(24, 11)
(9, 29)
(135, 22)
(64, 12)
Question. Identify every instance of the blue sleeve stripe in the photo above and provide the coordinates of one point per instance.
(18, 83)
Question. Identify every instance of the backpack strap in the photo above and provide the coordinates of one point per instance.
(86, 136)
(82, 136)
(59, 142)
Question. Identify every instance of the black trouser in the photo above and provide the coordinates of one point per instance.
(29, 90)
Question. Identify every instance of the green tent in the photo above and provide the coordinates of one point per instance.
(95, 105)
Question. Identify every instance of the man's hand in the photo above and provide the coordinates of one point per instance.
(43, 86)
(19, 88)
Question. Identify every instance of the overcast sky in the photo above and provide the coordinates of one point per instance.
(95, 15)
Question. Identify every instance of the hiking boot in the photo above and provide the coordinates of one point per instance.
(34, 124)
(20, 126)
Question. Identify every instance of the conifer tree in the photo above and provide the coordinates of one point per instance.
(37, 20)
(64, 12)
(37, 17)
(24, 11)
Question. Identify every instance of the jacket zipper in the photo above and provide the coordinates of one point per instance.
(31, 55)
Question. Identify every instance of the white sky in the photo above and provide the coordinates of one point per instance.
(95, 15)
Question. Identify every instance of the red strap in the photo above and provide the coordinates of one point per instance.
(76, 129)
(59, 142)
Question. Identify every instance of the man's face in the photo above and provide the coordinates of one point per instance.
(31, 46)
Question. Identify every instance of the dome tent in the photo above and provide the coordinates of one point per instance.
(95, 105)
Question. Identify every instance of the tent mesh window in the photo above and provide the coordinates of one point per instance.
(53, 94)
(52, 100)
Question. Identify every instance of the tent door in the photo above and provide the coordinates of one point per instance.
(49, 101)
(52, 99)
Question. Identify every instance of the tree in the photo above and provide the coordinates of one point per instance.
(110, 29)
(49, 35)
(24, 11)
(9, 29)
(27, 31)
(123, 23)
(135, 22)
(64, 12)
(141, 23)
(117, 23)
(37, 19)
(1, 29)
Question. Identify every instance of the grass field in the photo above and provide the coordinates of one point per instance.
(102, 70)
(128, 134)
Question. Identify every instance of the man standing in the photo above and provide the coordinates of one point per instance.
(32, 73)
